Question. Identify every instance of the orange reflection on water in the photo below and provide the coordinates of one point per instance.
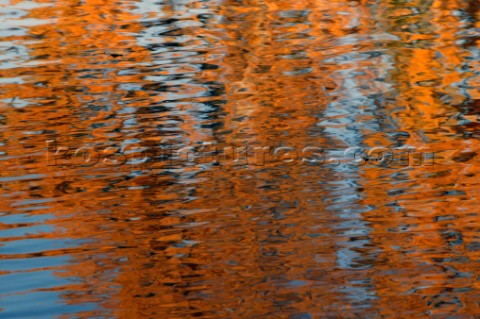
(133, 239)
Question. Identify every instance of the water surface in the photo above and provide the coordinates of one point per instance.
(161, 159)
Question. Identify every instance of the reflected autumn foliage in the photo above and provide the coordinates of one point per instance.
(206, 240)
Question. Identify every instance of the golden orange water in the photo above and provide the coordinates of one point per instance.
(194, 159)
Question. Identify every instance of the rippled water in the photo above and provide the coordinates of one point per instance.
(203, 159)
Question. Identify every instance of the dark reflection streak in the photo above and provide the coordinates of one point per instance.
(202, 118)
(472, 10)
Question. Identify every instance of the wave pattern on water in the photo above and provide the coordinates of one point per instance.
(151, 159)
